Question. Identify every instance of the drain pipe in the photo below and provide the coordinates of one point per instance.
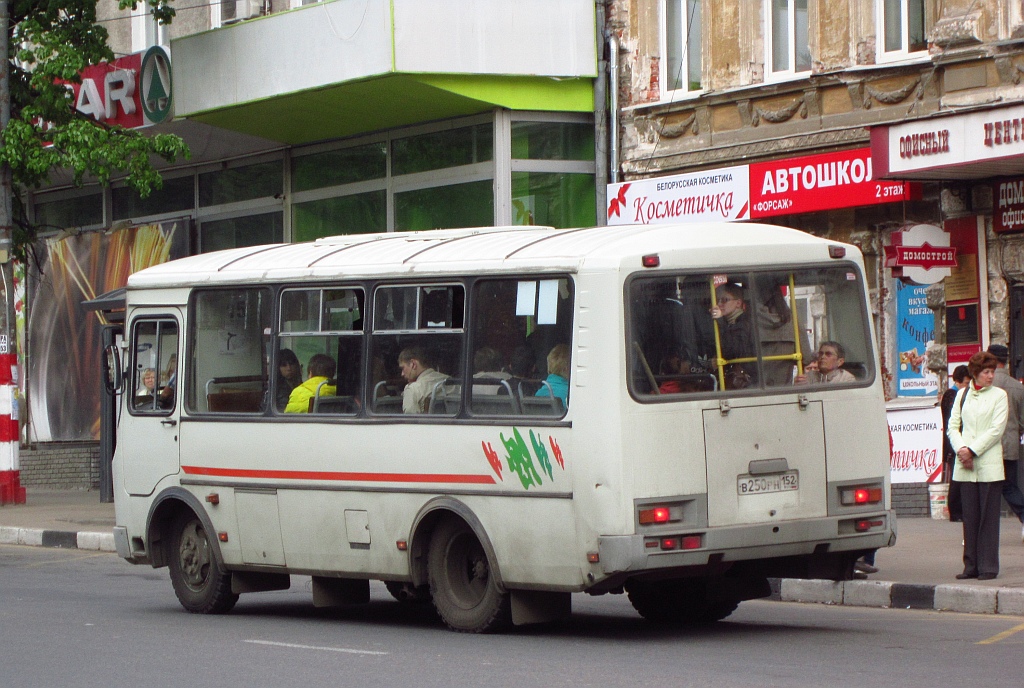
(601, 117)
(613, 106)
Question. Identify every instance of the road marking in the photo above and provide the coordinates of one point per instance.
(295, 646)
(1001, 636)
(80, 557)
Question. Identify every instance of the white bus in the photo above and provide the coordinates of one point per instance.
(493, 419)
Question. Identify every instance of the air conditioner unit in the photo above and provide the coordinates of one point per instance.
(236, 10)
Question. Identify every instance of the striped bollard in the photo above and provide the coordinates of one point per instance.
(11, 491)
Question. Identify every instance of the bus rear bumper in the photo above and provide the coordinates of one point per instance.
(634, 554)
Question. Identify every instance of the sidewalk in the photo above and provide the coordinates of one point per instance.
(917, 573)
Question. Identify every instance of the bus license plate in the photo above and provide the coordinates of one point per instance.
(762, 484)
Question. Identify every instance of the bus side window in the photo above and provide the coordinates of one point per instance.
(316, 323)
(228, 338)
(417, 344)
(521, 343)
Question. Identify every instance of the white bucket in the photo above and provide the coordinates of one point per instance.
(937, 500)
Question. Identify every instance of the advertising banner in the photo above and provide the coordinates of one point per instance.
(820, 182)
(64, 369)
(716, 196)
(1008, 197)
(916, 444)
(915, 330)
(749, 192)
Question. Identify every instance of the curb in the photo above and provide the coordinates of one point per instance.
(965, 599)
(102, 542)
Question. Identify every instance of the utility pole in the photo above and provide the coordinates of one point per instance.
(11, 491)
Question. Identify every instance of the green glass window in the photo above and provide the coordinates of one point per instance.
(71, 212)
(553, 198)
(177, 194)
(355, 214)
(241, 183)
(442, 149)
(444, 207)
(236, 232)
(552, 141)
(337, 167)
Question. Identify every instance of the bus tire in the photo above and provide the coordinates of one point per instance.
(200, 584)
(679, 602)
(462, 586)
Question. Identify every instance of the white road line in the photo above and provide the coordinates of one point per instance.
(296, 646)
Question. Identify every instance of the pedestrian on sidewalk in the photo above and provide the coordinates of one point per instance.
(961, 377)
(976, 426)
(1011, 436)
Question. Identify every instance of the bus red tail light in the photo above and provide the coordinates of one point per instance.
(864, 525)
(658, 514)
(691, 542)
(669, 543)
(860, 495)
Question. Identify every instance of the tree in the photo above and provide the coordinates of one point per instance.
(51, 41)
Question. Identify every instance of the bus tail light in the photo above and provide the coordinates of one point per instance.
(836, 251)
(658, 514)
(866, 524)
(857, 495)
(691, 542)
(651, 261)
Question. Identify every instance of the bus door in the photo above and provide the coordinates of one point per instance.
(765, 463)
(148, 432)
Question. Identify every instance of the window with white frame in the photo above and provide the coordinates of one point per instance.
(681, 46)
(901, 31)
(786, 44)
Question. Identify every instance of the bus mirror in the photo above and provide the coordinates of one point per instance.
(113, 376)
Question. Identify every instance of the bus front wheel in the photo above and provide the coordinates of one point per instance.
(462, 586)
(200, 584)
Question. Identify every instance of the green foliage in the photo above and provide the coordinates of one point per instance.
(51, 41)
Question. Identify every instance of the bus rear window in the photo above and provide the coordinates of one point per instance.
(748, 331)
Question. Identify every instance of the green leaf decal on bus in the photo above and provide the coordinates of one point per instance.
(542, 454)
(519, 459)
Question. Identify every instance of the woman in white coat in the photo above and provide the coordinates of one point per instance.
(976, 426)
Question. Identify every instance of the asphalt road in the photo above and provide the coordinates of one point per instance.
(74, 618)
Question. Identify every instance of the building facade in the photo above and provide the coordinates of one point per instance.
(306, 120)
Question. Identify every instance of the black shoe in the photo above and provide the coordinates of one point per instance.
(986, 576)
(965, 576)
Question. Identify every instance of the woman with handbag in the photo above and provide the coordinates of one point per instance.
(961, 377)
(976, 425)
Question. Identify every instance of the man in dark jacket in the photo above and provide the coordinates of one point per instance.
(1014, 428)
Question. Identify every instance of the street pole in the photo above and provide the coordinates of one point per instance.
(11, 491)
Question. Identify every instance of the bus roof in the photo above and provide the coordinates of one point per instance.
(487, 249)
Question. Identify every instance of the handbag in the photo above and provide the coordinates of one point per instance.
(968, 463)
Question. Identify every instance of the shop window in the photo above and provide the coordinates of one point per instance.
(681, 46)
(77, 211)
(444, 207)
(788, 52)
(320, 352)
(229, 347)
(553, 199)
(339, 167)
(901, 25)
(177, 195)
(355, 214)
(251, 230)
(443, 149)
(417, 343)
(241, 183)
(552, 141)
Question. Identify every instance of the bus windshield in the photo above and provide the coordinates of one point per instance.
(748, 331)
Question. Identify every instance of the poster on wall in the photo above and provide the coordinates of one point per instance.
(915, 330)
(916, 444)
(64, 369)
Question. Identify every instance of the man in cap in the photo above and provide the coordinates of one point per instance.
(1014, 427)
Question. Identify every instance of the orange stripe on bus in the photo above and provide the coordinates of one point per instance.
(341, 476)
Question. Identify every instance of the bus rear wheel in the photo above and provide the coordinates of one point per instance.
(200, 584)
(679, 602)
(462, 586)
